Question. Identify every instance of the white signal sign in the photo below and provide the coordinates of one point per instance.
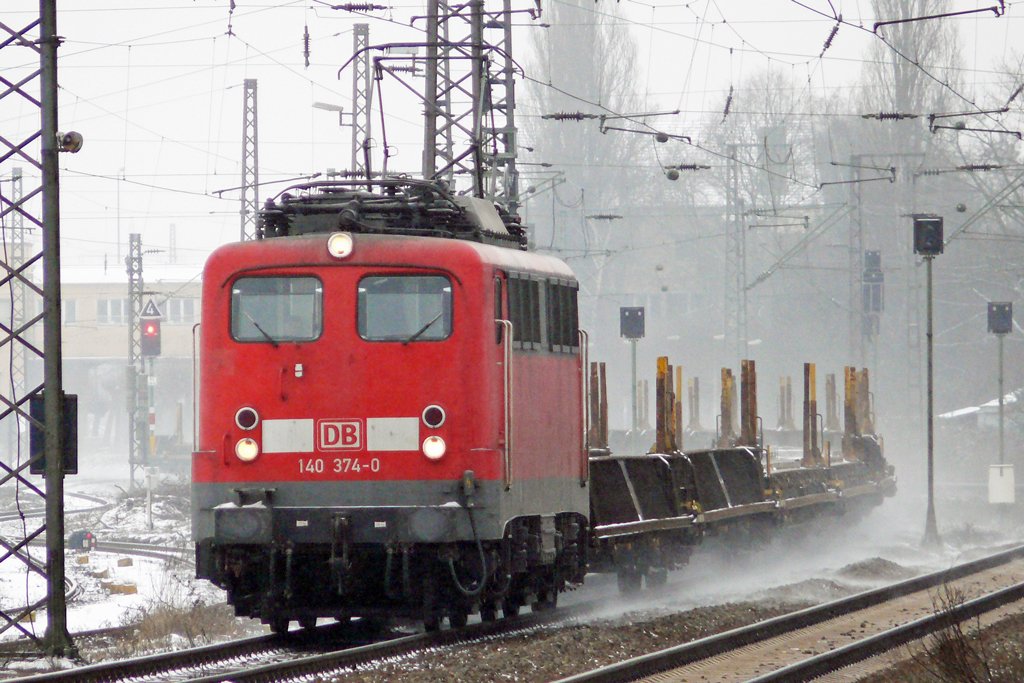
(150, 310)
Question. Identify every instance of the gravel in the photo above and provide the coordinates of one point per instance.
(560, 651)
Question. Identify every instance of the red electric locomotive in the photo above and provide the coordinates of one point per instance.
(391, 412)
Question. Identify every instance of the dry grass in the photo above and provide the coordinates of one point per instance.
(177, 616)
(963, 652)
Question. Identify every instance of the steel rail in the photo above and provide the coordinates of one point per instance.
(101, 504)
(705, 648)
(151, 550)
(160, 663)
(326, 663)
(887, 640)
(226, 656)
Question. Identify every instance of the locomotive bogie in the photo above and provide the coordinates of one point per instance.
(284, 580)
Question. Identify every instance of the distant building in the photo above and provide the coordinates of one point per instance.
(95, 315)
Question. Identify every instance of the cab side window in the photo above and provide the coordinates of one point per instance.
(562, 315)
(524, 305)
(498, 310)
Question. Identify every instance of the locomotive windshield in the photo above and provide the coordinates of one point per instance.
(276, 309)
(405, 308)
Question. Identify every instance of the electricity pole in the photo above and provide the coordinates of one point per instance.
(735, 328)
(469, 98)
(250, 162)
(136, 370)
(18, 380)
(34, 81)
(361, 91)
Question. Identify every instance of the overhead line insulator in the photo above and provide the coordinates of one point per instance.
(831, 36)
(358, 7)
(689, 167)
(889, 116)
(569, 116)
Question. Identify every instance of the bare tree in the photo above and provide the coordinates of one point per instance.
(584, 63)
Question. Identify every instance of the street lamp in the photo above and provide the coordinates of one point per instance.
(928, 243)
(327, 106)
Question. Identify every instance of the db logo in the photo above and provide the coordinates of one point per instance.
(335, 435)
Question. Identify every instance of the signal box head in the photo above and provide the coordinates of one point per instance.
(150, 337)
(1000, 317)
(928, 235)
(631, 322)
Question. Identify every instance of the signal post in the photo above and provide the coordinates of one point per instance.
(1001, 490)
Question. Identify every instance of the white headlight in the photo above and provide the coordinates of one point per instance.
(247, 449)
(434, 447)
(339, 245)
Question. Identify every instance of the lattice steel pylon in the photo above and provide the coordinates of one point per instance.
(468, 96)
(735, 320)
(250, 162)
(14, 253)
(137, 428)
(25, 87)
(361, 91)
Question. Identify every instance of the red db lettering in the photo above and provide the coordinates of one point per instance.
(337, 435)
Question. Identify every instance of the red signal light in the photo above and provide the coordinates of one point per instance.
(150, 342)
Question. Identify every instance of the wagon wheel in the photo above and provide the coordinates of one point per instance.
(279, 624)
(489, 611)
(657, 577)
(307, 623)
(630, 580)
(547, 594)
(547, 599)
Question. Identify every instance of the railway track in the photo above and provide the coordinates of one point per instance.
(275, 658)
(99, 504)
(835, 634)
(151, 550)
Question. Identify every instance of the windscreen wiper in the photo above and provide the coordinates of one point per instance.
(423, 329)
(260, 329)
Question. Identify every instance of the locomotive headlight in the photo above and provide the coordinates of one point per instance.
(434, 447)
(340, 244)
(247, 449)
(247, 418)
(433, 416)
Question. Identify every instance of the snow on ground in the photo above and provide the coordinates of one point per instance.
(116, 589)
(112, 594)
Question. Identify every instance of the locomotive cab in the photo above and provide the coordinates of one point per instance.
(390, 426)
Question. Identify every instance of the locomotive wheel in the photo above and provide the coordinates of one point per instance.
(509, 608)
(279, 625)
(458, 617)
(630, 581)
(489, 611)
(431, 614)
(307, 623)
